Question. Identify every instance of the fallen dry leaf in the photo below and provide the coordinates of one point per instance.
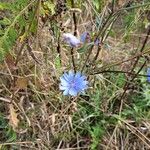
(10, 62)
(13, 120)
(21, 83)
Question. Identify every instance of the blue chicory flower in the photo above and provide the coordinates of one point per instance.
(97, 42)
(85, 36)
(71, 39)
(73, 83)
(148, 74)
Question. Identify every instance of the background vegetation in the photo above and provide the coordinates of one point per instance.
(113, 114)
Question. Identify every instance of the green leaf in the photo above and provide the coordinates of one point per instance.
(3, 6)
(96, 134)
(57, 62)
(5, 21)
(69, 3)
(2, 122)
(11, 135)
(1, 54)
(33, 28)
(96, 3)
(12, 36)
(5, 44)
(50, 6)
(1, 32)
(22, 22)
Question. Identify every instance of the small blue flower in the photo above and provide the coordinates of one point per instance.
(97, 42)
(148, 74)
(73, 83)
(85, 36)
(71, 39)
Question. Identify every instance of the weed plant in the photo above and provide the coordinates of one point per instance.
(74, 75)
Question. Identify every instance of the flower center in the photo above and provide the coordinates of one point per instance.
(72, 84)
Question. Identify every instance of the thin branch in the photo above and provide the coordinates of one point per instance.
(126, 86)
(59, 48)
(98, 34)
(121, 62)
(73, 59)
(31, 53)
(97, 53)
(118, 71)
(19, 53)
(113, 5)
(112, 14)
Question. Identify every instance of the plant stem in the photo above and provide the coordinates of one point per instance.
(134, 65)
(75, 33)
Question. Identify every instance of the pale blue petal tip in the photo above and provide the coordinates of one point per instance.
(83, 36)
